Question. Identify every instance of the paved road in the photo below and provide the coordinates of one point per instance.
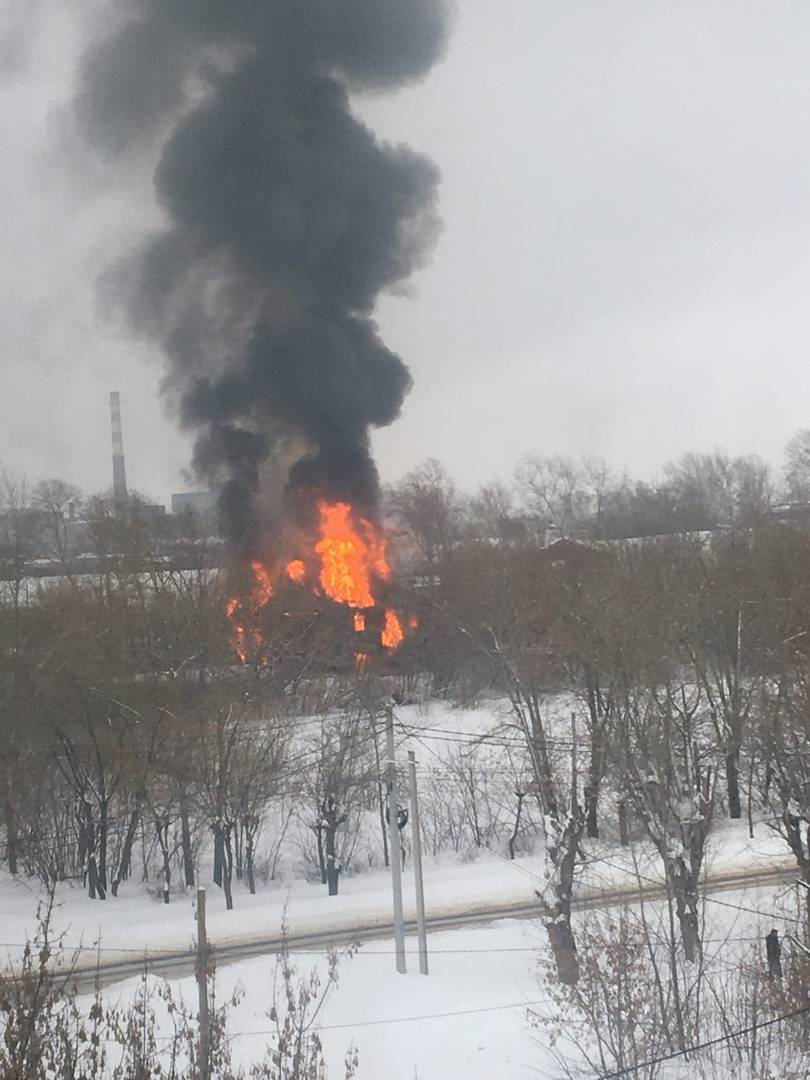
(180, 964)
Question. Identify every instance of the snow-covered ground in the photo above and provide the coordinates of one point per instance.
(469, 1017)
(135, 924)
(467, 1020)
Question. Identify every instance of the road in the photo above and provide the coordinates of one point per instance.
(89, 972)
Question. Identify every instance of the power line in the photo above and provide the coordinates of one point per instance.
(707, 898)
(407, 1019)
(148, 955)
(705, 1045)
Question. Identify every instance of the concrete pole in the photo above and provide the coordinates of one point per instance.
(393, 842)
(202, 987)
(417, 866)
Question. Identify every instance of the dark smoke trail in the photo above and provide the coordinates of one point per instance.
(286, 219)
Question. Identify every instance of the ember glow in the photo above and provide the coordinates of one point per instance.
(347, 563)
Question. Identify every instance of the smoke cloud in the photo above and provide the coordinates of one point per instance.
(286, 218)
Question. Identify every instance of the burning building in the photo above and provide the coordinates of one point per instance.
(345, 562)
(285, 217)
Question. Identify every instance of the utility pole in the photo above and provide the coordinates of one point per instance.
(202, 987)
(393, 842)
(417, 867)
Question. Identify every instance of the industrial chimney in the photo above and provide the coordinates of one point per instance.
(119, 468)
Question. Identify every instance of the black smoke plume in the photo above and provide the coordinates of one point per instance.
(286, 218)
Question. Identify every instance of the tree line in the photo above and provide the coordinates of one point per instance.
(131, 733)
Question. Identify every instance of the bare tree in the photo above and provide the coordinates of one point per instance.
(555, 489)
(797, 466)
(59, 503)
(670, 781)
(428, 504)
(342, 770)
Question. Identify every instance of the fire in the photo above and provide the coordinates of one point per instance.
(297, 571)
(241, 608)
(350, 555)
(392, 635)
(349, 560)
(263, 593)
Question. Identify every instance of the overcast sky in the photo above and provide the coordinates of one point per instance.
(623, 271)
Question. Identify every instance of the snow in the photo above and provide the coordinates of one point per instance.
(468, 1019)
(135, 924)
(486, 975)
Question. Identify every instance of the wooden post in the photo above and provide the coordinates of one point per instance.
(202, 987)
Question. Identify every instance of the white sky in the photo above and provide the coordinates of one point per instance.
(623, 270)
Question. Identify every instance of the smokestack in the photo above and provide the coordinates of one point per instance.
(119, 468)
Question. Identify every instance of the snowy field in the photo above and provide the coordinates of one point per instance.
(134, 924)
(467, 1020)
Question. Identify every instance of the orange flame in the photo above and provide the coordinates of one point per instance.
(349, 556)
(237, 608)
(263, 592)
(392, 635)
(297, 571)
(352, 553)
(361, 661)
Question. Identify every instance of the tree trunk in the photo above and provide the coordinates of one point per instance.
(250, 840)
(318, 830)
(332, 870)
(185, 840)
(162, 827)
(624, 833)
(238, 840)
(591, 810)
(690, 933)
(227, 874)
(562, 844)
(686, 909)
(217, 830)
(103, 825)
(564, 950)
(733, 782)
(11, 831)
(521, 795)
(598, 725)
(381, 801)
(332, 876)
(97, 888)
(125, 862)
